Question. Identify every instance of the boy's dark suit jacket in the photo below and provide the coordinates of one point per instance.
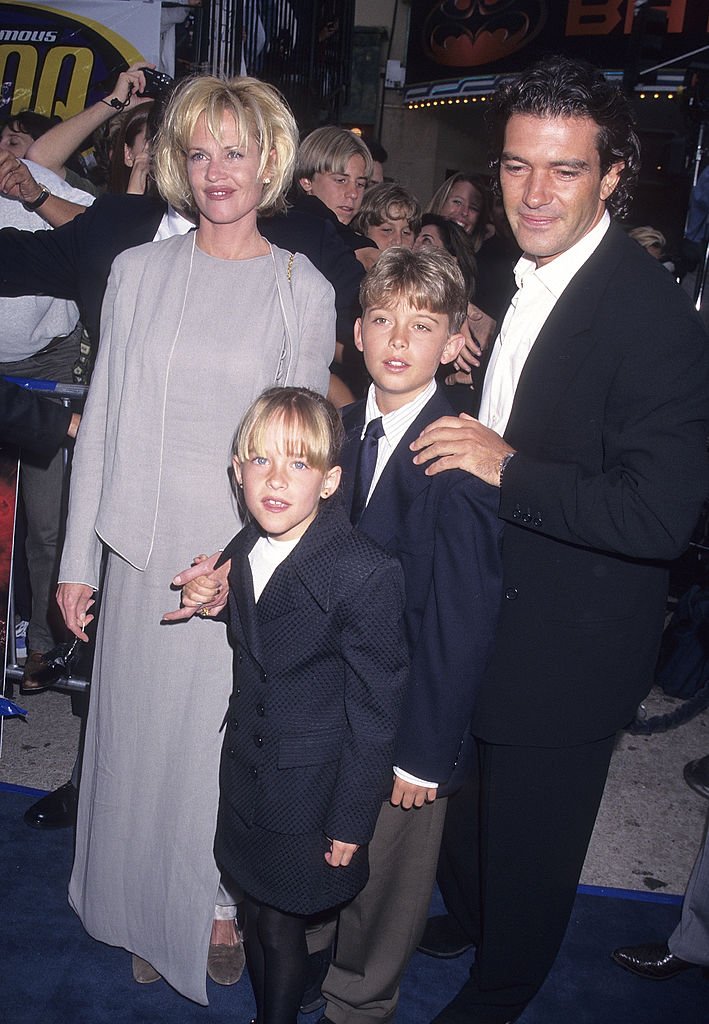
(320, 664)
(74, 261)
(445, 531)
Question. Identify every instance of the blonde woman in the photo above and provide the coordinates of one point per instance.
(462, 198)
(193, 329)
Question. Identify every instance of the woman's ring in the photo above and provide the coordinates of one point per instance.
(204, 613)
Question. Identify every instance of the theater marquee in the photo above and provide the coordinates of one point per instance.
(453, 38)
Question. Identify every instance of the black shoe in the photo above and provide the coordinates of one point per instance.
(653, 961)
(318, 964)
(696, 775)
(443, 938)
(55, 810)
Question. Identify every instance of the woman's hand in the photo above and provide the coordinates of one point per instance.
(74, 600)
(203, 588)
(340, 854)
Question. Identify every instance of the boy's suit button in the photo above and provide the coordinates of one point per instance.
(254, 773)
(237, 691)
(234, 723)
(260, 710)
(258, 740)
(230, 751)
(511, 593)
(537, 520)
(527, 517)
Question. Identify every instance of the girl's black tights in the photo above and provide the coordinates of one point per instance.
(277, 957)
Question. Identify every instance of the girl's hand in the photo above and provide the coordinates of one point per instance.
(74, 600)
(340, 854)
(209, 582)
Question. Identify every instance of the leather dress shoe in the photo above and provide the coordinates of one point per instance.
(37, 675)
(143, 972)
(653, 961)
(443, 938)
(696, 775)
(225, 964)
(55, 810)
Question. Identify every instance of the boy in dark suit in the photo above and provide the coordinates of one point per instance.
(445, 532)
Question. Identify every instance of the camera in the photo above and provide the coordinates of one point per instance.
(156, 82)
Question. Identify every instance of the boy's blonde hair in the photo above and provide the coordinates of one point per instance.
(312, 427)
(262, 118)
(387, 202)
(425, 280)
(328, 150)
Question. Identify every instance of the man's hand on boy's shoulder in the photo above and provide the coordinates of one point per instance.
(461, 442)
(407, 794)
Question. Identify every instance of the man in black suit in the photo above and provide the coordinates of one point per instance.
(593, 424)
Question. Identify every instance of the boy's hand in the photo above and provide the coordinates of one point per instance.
(212, 585)
(340, 854)
(407, 794)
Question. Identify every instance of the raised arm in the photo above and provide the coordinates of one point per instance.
(54, 148)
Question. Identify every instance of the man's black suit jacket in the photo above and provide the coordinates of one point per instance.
(74, 261)
(610, 423)
(445, 531)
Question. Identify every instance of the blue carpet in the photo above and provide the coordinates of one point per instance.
(54, 973)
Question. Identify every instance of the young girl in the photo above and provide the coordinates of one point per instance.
(319, 666)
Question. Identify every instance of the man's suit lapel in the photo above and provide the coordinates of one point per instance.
(401, 480)
(564, 342)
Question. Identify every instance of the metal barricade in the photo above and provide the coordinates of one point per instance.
(68, 394)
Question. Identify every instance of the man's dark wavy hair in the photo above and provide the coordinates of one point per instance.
(560, 87)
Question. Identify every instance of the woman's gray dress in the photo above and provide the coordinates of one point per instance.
(144, 874)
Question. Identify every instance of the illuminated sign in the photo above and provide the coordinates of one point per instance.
(449, 38)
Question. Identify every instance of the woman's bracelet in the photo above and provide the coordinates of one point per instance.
(35, 204)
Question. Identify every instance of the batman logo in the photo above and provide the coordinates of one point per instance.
(468, 33)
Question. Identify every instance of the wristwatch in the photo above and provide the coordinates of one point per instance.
(36, 203)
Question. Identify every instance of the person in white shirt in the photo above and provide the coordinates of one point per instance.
(592, 425)
(39, 340)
